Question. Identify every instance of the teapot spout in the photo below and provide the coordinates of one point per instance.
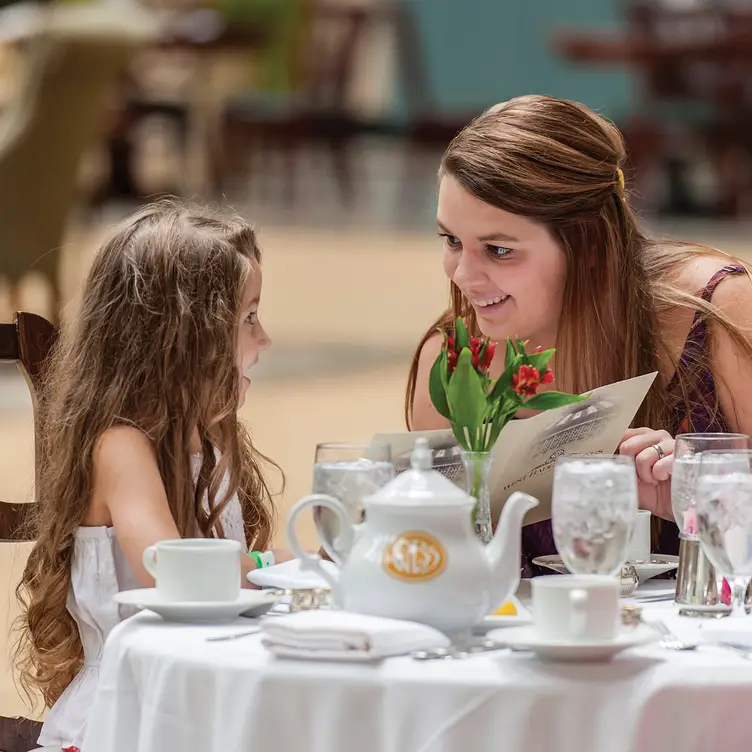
(503, 552)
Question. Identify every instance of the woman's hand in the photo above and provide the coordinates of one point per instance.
(653, 453)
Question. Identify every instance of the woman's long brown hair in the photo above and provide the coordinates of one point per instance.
(557, 163)
(154, 346)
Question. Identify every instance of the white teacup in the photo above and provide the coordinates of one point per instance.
(195, 569)
(576, 608)
(639, 543)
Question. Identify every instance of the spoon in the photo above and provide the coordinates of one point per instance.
(235, 636)
(453, 653)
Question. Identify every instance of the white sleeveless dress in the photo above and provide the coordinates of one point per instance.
(100, 570)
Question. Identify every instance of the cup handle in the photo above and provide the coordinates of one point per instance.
(578, 598)
(345, 537)
(149, 560)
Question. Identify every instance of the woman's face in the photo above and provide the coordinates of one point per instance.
(508, 267)
(252, 338)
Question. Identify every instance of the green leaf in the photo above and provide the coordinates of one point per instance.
(504, 382)
(498, 425)
(510, 356)
(540, 360)
(461, 335)
(459, 434)
(465, 394)
(521, 347)
(483, 348)
(550, 400)
(436, 388)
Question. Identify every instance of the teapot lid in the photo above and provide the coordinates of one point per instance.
(421, 485)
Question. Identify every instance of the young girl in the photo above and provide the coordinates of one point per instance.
(539, 241)
(140, 441)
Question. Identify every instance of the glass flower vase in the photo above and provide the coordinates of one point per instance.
(477, 473)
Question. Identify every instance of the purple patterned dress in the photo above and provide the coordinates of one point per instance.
(538, 539)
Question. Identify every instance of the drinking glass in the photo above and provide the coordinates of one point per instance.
(724, 518)
(594, 510)
(686, 463)
(349, 473)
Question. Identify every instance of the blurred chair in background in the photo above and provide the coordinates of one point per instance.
(693, 105)
(315, 110)
(74, 64)
(688, 100)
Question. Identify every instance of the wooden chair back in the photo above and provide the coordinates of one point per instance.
(26, 342)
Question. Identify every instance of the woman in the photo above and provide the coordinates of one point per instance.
(540, 242)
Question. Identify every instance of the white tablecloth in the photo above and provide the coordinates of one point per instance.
(164, 687)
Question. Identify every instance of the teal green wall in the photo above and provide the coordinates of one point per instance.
(478, 52)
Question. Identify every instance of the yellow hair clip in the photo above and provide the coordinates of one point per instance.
(620, 183)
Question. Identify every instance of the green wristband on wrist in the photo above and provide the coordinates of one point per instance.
(263, 559)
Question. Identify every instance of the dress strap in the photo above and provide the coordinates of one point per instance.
(707, 292)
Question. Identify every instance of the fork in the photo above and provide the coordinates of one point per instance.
(669, 640)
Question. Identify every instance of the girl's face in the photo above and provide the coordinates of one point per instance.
(510, 269)
(252, 339)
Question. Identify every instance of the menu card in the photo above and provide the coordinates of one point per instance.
(527, 449)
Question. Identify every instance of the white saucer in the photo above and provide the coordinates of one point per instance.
(291, 575)
(658, 564)
(250, 603)
(526, 638)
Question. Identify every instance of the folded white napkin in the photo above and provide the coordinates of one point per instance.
(290, 575)
(344, 636)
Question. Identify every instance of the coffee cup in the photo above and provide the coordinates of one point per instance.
(639, 543)
(195, 569)
(576, 608)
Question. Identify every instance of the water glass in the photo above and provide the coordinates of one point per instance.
(349, 473)
(594, 510)
(724, 518)
(686, 464)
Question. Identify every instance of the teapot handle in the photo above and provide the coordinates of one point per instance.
(345, 538)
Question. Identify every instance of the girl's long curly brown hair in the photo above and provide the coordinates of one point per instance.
(154, 346)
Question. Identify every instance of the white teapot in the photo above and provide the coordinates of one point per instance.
(416, 555)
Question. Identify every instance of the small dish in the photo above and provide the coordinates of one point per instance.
(252, 603)
(658, 564)
(526, 638)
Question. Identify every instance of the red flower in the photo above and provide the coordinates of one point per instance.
(475, 347)
(71, 749)
(726, 593)
(547, 376)
(481, 359)
(526, 381)
(488, 355)
(448, 346)
(452, 360)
